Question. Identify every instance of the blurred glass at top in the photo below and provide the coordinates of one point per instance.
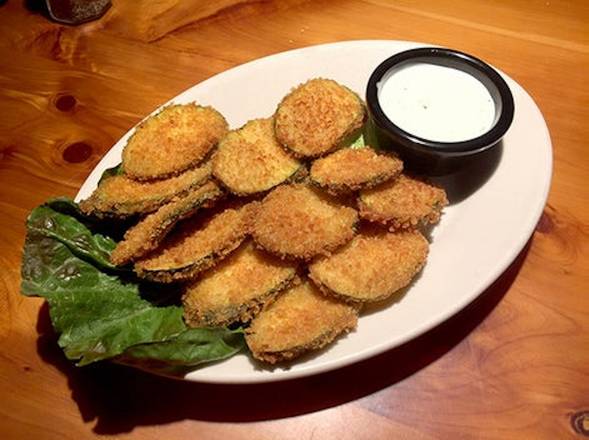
(76, 11)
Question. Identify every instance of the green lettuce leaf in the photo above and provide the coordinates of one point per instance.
(96, 248)
(49, 267)
(359, 142)
(186, 351)
(100, 315)
(97, 315)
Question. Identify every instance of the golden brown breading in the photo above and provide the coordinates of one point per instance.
(300, 320)
(119, 196)
(250, 160)
(371, 267)
(175, 139)
(237, 288)
(403, 203)
(149, 232)
(317, 116)
(299, 221)
(351, 169)
(195, 248)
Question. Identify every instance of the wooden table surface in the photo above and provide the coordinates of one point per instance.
(514, 364)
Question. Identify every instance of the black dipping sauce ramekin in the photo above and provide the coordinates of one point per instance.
(432, 157)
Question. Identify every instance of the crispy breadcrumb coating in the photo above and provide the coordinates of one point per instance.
(120, 196)
(175, 139)
(149, 232)
(371, 267)
(299, 221)
(300, 320)
(195, 248)
(403, 203)
(290, 213)
(351, 169)
(237, 288)
(250, 160)
(317, 116)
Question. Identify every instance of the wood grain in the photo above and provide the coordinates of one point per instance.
(515, 364)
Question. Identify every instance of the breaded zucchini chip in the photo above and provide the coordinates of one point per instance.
(120, 196)
(299, 221)
(197, 247)
(317, 117)
(371, 267)
(351, 169)
(149, 232)
(237, 288)
(300, 320)
(175, 139)
(403, 203)
(250, 160)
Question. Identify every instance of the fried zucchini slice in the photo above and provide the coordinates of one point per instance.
(299, 221)
(317, 117)
(403, 203)
(300, 320)
(195, 248)
(149, 232)
(237, 288)
(351, 169)
(120, 196)
(371, 267)
(250, 160)
(175, 139)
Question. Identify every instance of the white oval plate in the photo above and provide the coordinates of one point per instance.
(475, 242)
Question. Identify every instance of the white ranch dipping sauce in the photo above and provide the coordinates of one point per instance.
(436, 103)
